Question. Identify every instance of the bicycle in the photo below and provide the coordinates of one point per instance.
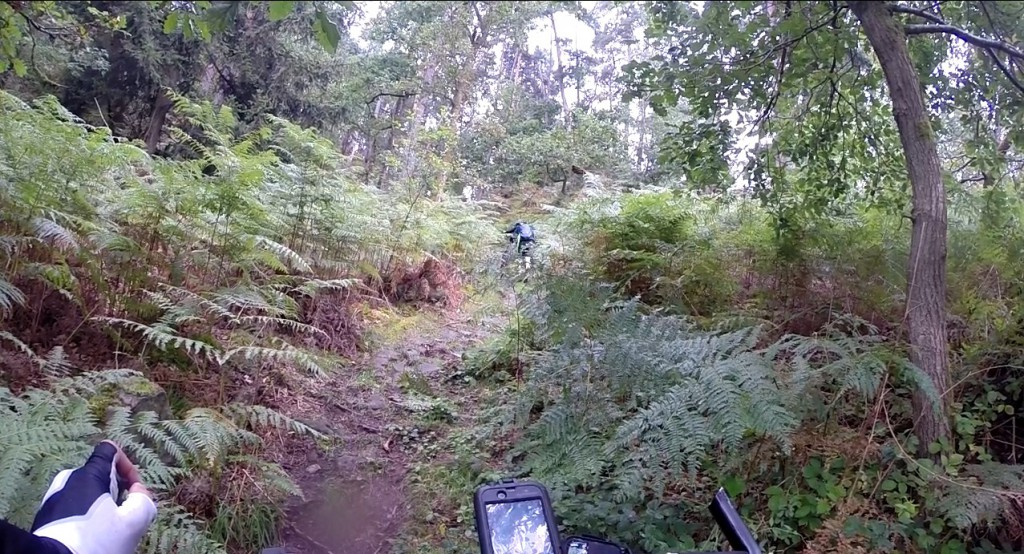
(523, 251)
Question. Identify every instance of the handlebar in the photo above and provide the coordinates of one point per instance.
(732, 526)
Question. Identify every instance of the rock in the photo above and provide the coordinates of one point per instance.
(318, 426)
(313, 469)
(375, 402)
(138, 394)
(429, 368)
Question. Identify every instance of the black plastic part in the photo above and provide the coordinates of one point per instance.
(732, 526)
(516, 491)
(596, 545)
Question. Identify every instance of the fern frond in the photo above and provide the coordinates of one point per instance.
(178, 295)
(285, 253)
(176, 530)
(310, 287)
(22, 347)
(163, 338)
(286, 353)
(50, 231)
(10, 296)
(290, 324)
(981, 494)
(261, 416)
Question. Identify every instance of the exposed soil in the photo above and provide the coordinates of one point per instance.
(356, 500)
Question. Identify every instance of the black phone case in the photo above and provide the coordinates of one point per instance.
(483, 532)
(603, 546)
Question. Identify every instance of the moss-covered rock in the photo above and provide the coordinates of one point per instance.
(138, 394)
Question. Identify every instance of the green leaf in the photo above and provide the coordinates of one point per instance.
(327, 33)
(171, 23)
(281, 9)
(888, 485)
(217, 17)
(19, 67)
(734, 485)
(204, 30)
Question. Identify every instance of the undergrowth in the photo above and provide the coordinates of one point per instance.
(236, 267)
(790, 387)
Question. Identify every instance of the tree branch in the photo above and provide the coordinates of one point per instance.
(392, 95)
(964, 36)
(919, 13)
(1006, 71)
(991, 22)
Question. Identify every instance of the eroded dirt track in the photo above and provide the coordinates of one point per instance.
(356, 499)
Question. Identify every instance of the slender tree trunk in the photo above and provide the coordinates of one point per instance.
(161, 107)
(465, 81)
(641, 129)
(926, 274)
(416, 121)
(560, 69)
(611, 87)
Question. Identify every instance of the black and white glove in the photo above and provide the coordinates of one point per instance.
(80, 509)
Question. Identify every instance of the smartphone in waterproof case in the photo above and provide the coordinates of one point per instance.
(515, 517)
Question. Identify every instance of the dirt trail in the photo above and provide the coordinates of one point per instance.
(355, 491)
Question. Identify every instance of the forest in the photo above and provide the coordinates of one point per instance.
(261, 245)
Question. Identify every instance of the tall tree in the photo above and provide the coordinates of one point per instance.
(797, 73)
(926, 276)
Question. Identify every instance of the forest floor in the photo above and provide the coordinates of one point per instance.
(388, 412)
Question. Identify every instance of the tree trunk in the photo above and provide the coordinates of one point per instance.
(161, 108)
(561, 70)
(641, 128)
(416, 121)
(926, 273)
(465, 80)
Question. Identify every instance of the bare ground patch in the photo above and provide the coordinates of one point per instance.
(356, 487)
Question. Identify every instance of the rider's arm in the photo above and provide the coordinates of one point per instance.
(15, 540)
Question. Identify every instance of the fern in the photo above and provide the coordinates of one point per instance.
(177, 531)
(286, 353)
(631, 405)
(981, 494)
(53, 232)
(261, 416)
(285, 253)
(163, 337)
(10, 296)
(45, 431)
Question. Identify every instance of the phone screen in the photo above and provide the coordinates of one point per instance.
(519, 528)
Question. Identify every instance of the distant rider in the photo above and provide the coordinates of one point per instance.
(524, 233)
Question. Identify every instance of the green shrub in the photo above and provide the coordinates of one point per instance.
(633, 418)
(652, 248)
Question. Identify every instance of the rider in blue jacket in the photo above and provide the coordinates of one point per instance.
(525, 234)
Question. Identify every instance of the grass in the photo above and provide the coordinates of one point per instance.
(367, 379)
(387, 326)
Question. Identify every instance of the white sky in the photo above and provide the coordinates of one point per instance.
(581, 35)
